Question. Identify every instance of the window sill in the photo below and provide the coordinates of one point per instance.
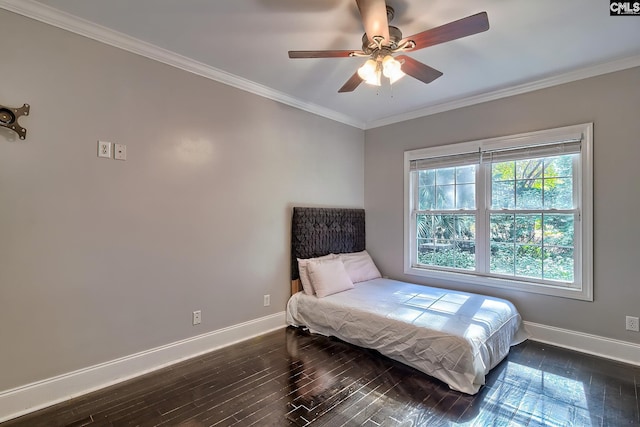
(585, 293)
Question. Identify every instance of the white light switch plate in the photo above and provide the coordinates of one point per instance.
(120, 152)
(104, 149)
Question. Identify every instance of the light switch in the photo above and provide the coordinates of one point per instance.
(120, 151)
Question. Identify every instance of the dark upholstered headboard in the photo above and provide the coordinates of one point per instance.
(320, 231)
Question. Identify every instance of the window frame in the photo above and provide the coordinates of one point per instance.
(583, 191)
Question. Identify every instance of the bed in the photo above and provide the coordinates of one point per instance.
(454, 336)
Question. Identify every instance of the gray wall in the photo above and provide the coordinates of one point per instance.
(612, 103)
(100, 258)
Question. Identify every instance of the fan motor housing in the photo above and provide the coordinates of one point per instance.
(395, 35)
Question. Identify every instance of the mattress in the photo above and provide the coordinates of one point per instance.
(456, 337)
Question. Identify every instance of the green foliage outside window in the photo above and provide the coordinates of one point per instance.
(535, 242)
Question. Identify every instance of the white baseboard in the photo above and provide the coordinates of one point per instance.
(621, 351)
(38, 395)
(31, 397)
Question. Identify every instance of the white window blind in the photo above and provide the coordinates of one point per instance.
(446, 161)
(530, 152)
(549, 149)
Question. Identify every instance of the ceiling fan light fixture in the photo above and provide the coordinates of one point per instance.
(392, 69)
(370, 73)
(388, 40)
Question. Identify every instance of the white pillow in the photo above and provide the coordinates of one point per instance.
(307, 287)
(328, 277)
(360, 266)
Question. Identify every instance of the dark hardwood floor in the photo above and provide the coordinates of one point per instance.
(289, 377)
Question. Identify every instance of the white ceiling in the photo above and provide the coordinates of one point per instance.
(530, 44)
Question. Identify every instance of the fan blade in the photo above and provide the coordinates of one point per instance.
(321, 53)
(453, 30)
(351, 84)
(374, 19)
(418, 70)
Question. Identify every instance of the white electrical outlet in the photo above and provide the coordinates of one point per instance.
(104, 149)
(120, 152)
(197, 317)
(267, 300)
(632, 324)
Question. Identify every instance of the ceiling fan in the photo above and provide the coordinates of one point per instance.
(381, 41)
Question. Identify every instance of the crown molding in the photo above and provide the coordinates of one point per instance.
(583, 73)
(48, 15)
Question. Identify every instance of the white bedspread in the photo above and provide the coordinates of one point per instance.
(454, 336)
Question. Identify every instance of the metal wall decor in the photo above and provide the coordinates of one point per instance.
(9, 119)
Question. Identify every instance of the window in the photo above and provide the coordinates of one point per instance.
(512, 212)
